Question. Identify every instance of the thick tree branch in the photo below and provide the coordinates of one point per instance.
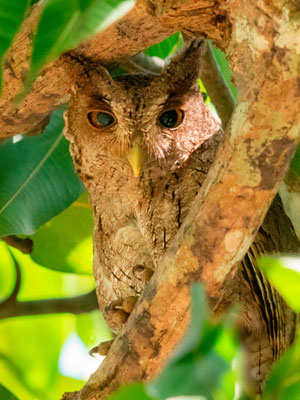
(260, 141)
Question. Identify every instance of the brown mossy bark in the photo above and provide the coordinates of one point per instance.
(260, 40)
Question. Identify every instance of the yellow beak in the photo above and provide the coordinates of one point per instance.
(136, 158)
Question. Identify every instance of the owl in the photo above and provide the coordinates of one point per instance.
(143, 145)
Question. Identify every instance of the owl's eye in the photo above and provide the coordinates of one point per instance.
(101, 119)
(170, 118)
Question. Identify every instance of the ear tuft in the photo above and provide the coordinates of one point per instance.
(184, 68)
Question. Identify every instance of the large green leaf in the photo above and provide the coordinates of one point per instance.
(37, 179)
(65, 242)
(6, 394)
(284, 274)
(11, 16)
(66, 23)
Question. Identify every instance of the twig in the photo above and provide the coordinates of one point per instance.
(12, 298)
(10, 307)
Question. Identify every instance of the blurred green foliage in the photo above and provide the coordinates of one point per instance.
(284, 274)
(38, 185)
(65, 242)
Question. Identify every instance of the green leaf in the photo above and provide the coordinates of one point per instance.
(11, 16)
(6, 394)
(295, 164)
(284, 274)
(132, 392)
(66, 23)
(195, 368)
(223, 64)
(166, 47)
(284, 379)
(65, 242)
(37, 179)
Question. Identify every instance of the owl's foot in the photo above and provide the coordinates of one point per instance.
(102, 348)
(120, 309)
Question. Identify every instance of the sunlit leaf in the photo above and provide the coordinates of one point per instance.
(284, 274)
(66, 23)
(295, 164)
(166, 47)
(6, 394)
(92, 329)
(223, 64)
(37, 179)
(11, 16)
(65, 242)
(30, 346)
(132, 392)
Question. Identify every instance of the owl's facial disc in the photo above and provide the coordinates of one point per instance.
(168, 119)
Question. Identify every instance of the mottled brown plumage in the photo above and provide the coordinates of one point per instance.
(136, 217)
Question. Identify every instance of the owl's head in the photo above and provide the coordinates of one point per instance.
(138, 120)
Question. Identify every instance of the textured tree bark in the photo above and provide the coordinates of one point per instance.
(260, 39)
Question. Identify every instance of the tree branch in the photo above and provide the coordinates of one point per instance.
(75, 305)
(10, 307)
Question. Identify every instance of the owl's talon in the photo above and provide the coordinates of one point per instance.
(129, 303)
(119, 317)
(120, 309)
(102, 348)
(142, 273)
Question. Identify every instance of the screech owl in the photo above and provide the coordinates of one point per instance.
(143, 144)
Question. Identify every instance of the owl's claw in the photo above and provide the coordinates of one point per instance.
(120, 309)
(102, 348)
